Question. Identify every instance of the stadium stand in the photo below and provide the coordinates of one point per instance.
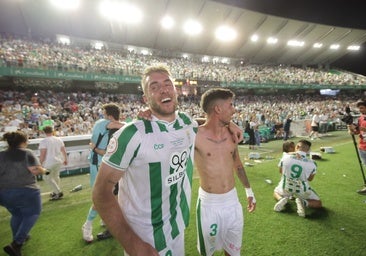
(30, 97)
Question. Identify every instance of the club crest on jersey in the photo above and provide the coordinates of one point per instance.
(178, 162)
(112, 146)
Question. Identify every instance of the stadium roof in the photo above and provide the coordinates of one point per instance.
(40, 19)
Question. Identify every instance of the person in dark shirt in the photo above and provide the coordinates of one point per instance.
(19, 193)
(286, 127)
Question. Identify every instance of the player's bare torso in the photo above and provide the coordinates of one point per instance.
(214, 160)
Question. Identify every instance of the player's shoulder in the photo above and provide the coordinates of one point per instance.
(102, 121)
(101, 124)
(137, 126)
(187, 119)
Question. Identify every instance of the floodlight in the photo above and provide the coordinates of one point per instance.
(353, 47)
(318, 45)
(272, 40)
(254, 38)
(121, 12)
(334, 46)
(167, 22)
(66, 4)
(192, 27)
(225, 33)
(295, 43)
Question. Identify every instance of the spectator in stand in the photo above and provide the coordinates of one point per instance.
(15, 122)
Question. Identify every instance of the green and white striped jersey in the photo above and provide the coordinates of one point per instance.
(155, 190)
(296, 169)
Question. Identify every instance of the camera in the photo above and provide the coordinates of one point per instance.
(348, 119)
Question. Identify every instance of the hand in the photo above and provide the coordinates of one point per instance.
(237, 133)
(144, 114)
(92, 146)
(351, 128)
(251, 204)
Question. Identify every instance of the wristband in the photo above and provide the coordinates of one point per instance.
(250, 193)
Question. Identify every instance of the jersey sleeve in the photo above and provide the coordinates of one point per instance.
(123, 147)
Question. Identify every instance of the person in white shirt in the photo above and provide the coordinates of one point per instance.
(52, 156)
(314, 134)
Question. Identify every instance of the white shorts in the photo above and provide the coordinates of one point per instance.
(220, 222)
(174, 247)
(309, 194)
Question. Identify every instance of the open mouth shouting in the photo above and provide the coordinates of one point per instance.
(166, 100)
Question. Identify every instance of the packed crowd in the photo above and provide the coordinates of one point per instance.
(75, 113)
(55, 56)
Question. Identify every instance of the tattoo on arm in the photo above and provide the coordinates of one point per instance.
(243, 176)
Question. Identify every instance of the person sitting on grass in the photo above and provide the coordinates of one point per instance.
(297, 171)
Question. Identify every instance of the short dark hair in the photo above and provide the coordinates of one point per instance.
(361, 102)
(305, 145)
(210, 96)
(112, 109)
(48, 129)
(288, 146)
(14, 139)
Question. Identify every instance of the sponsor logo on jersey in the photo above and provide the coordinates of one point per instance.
(158, 146)
(178, 161)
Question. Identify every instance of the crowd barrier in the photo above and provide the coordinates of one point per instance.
(78, 162)
(299, 128)
(77, 148)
